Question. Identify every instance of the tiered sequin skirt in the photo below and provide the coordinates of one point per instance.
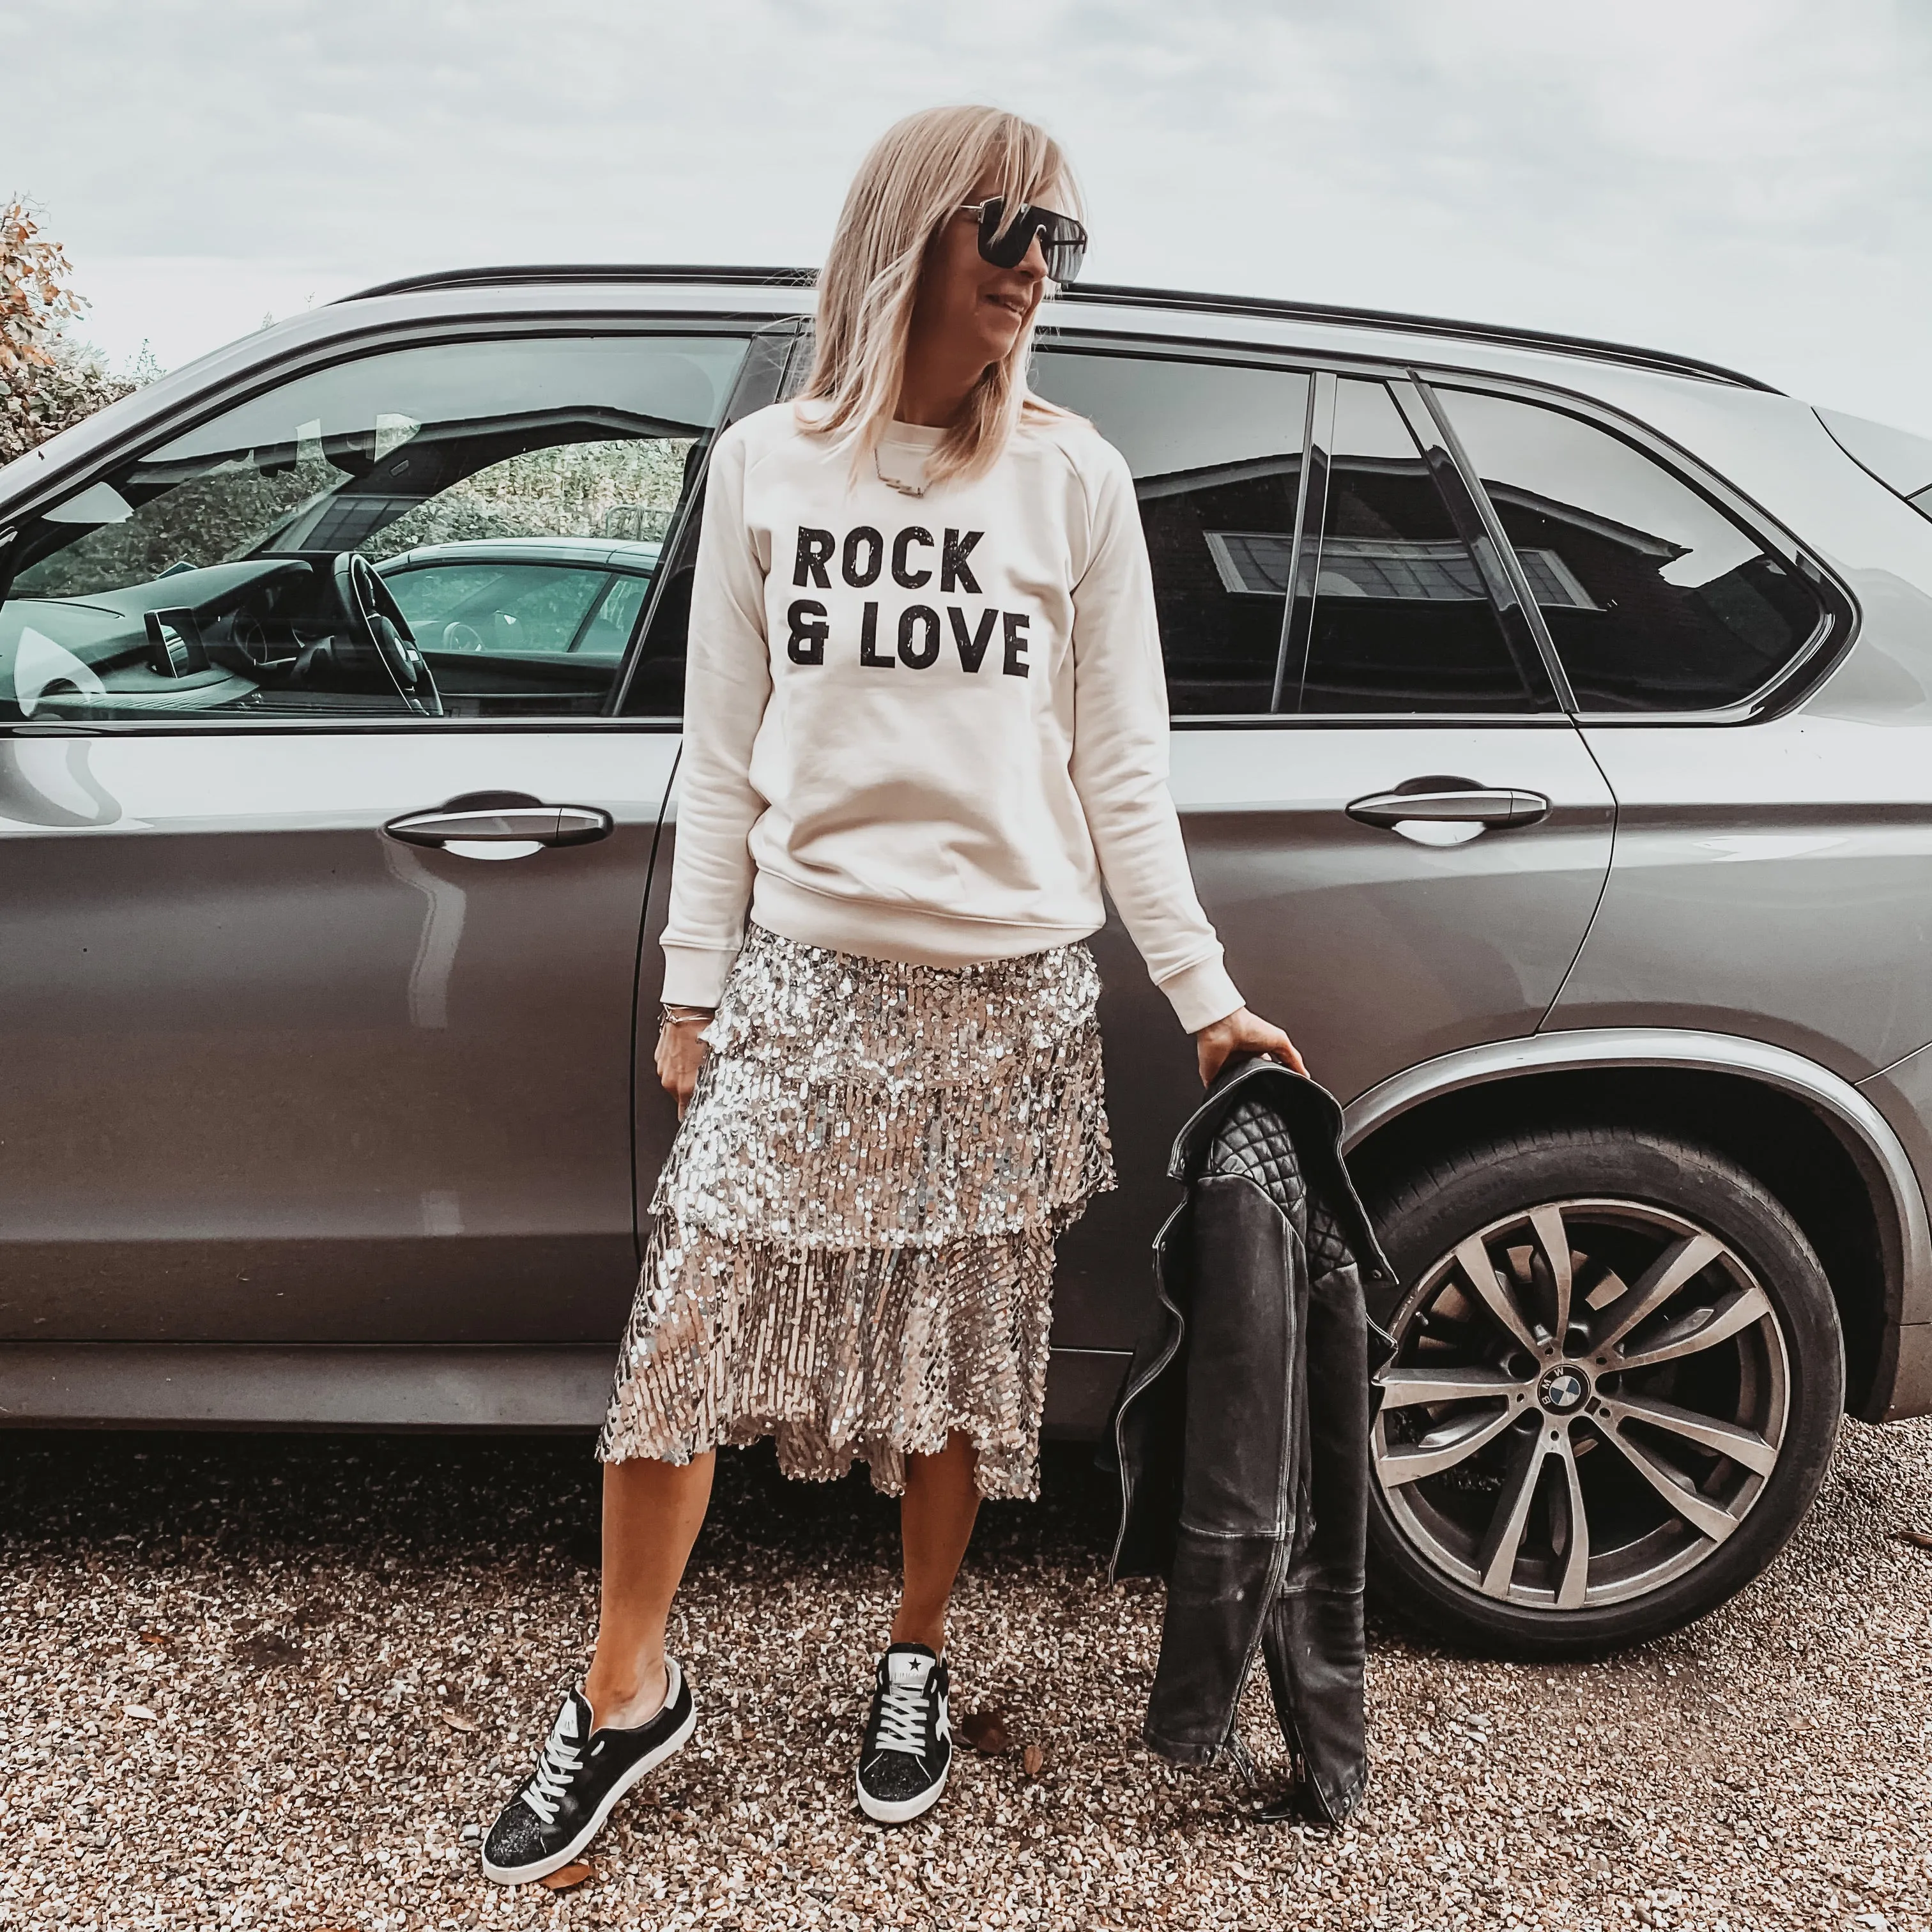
(851, 1243)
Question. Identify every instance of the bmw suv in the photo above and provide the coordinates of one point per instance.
(1553, 736)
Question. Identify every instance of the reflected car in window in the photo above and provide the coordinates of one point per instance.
(1551, 738)
(502, 619)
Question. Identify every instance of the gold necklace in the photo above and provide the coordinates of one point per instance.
(893, 483)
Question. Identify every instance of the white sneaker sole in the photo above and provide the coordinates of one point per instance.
(543, 1867)
(888, 1811)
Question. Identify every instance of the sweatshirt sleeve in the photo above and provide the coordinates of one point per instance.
(1120, 760)
(727, 682)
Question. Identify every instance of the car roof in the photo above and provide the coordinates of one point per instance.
(601, 553)
(1175, 300)
(1680, 393)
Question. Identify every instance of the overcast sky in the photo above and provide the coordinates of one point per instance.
(1749, 181)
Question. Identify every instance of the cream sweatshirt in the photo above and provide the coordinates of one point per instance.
(927, 728)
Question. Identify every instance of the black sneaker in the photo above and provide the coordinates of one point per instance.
(908, 1746)
(581, 1775)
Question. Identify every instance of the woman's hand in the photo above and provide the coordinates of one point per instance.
(1242, 1032)
(679, 1054)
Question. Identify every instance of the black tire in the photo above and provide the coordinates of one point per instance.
(1429, 1536)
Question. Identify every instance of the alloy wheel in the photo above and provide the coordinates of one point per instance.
(1588, 1398)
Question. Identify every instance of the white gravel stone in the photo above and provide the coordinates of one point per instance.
(298, 1613)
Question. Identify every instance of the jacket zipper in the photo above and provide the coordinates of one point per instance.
(1153, 1369)
(1283, 1535)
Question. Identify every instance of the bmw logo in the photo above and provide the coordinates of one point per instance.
(1563, 1389)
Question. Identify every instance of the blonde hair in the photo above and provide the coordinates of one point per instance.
(920, 172)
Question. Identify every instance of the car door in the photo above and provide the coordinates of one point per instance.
(317, 986)
(1398, 832)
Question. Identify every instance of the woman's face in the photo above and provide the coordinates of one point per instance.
(974, 309)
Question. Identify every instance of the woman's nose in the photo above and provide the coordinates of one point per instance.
(1034, 261)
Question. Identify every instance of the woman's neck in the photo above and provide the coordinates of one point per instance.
(933, 388)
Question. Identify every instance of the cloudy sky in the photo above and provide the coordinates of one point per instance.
(1747, 180)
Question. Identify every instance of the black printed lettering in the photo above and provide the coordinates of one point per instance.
(917, 617)
(814, 553)
(869, 636)
(865, 537)
(953, 573)
(902, 572)
(809, 630)
(972, 650)
(1016, 622)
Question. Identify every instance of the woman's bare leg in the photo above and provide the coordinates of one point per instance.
(936, 1517)
(652, 1512)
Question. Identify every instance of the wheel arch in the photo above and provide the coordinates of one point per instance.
(1810, 1136)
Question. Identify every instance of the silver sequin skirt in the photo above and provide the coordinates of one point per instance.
(851, 1243)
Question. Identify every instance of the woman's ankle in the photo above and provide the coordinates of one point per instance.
(623, 1703)
(930, 1631)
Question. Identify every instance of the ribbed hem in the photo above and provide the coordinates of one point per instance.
(910, 933)
(694, 976)
(1202, 993)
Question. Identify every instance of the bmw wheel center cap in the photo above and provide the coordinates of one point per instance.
(1563, 1389)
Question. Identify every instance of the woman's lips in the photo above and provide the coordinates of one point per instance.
(1013, 305)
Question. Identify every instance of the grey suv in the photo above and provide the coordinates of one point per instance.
(1553, 736)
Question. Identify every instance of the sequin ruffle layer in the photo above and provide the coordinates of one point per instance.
(851, 1244)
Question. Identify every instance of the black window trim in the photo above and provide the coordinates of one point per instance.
(1324, 373)
(1809, 667)
(1794, 680)
(205, 405)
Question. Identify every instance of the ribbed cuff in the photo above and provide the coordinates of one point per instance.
(1202, 993)
(694, 975)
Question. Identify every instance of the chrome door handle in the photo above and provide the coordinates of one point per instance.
(1472, 804)
(532, 823)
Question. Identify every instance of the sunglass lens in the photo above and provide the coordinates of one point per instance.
(1064, 258)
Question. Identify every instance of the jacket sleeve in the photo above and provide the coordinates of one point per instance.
(1119, 763)
(727, 682)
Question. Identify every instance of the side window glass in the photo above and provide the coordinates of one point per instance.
(1403, 620)
(464, 530)
(1215, 452)
(1656, 599)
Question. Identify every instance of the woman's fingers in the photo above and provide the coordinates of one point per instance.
(679, 1054)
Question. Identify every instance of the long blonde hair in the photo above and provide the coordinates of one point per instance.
(920, 172)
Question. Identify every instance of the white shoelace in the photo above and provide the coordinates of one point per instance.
(902, 1719)
(556, 1766)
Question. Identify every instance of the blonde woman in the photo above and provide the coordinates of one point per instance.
(926, 719)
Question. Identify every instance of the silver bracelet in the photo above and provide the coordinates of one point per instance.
(669, 1015)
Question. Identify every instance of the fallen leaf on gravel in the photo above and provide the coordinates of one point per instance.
(1032, 1758)
(985, 1731)
(457, 1721)
(567, 1879)
(1921, 1539)
(140, 1711)
(154, 1636)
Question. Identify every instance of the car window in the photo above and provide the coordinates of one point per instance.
(1402, 621)
(502, 612)
(615, 619)
(236, 570)
(1215, 452)
(1657, 600)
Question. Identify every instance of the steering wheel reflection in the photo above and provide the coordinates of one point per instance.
(379, 623)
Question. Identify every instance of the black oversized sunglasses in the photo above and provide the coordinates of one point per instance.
(1062, 239)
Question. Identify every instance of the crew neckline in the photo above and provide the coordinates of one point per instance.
(918, 435)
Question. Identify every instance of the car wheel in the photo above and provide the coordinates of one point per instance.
(1617, 1381)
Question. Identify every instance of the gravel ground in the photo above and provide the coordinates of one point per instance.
(280, 1682)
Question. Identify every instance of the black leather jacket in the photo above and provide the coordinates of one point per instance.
(1241, 1433)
